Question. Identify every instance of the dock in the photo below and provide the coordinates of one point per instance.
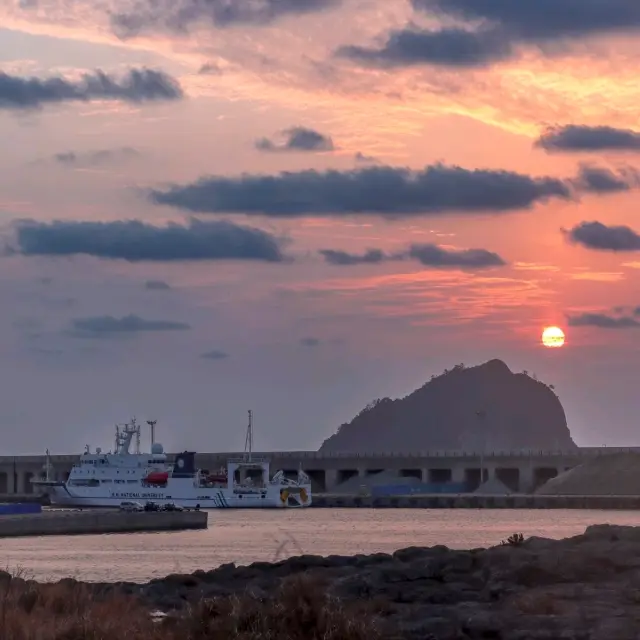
(477, 501)
(96, 521)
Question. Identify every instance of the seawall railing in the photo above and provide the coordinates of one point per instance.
(580, 452)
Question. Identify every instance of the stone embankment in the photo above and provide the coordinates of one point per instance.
(585, 587)
(616, 473)
(93, 521)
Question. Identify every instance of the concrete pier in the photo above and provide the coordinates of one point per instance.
(475, 501)
(67, 522)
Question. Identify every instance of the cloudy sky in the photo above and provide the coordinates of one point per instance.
(298, 206)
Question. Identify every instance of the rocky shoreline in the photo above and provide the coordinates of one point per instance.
(585, 587)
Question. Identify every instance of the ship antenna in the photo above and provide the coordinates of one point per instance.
(152, 424)
(248, 442)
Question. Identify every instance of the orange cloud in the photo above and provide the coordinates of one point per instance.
(290, 63)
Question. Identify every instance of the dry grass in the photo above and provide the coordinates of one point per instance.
(298, 610)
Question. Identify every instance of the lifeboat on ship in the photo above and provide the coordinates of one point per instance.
(157, 477)
(220, 477)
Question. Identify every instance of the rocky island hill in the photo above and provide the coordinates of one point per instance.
(585, 587)
(465, 408)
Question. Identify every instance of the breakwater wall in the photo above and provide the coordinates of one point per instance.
(20, 508)
(476, 501)
(67, 522)
(12, 498)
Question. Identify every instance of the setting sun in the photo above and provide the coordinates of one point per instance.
(553, 337)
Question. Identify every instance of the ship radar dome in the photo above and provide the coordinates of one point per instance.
(157, 448)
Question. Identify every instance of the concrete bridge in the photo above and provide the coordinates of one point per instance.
(521, 471)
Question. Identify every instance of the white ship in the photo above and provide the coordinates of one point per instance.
(106, 479)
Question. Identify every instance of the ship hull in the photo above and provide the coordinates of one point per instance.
(274, 497)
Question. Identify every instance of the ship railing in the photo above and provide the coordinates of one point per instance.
(283, 480)
(245, 461)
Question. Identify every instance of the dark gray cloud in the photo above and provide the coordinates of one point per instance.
(542, 20)
(429, 255)
(310, 342)
(137, 241)
(595, 235)
(179, 16)
(298, 139)
(601, 180)
(138, 85)
(574, 137)
(432, 255)
(602, 321)
(365, 159)
(210, 69)
(98, 326)
(495, 29)
(344, 258)
(157, 285)
(45, 351)
(387, 191)
(94, 158)
(215, 354)
(60, 303)
(624, 309)
(446, 47)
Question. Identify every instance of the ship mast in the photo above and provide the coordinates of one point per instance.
(248, 441)
(152, 424)
(137, 432)
(125, 434)
(48, 466)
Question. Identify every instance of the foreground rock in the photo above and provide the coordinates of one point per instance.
(485, 407)
(586, 587)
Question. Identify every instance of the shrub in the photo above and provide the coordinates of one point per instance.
(514, 540)
(299, 609)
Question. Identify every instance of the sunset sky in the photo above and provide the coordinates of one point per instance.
(298, 206)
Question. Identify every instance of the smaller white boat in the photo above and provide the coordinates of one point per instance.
(107, 479)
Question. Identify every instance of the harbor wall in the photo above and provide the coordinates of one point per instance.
(20, 508)
(421, 489)
(67, 522)
(13, 498)
(521, 471)
(476, 501)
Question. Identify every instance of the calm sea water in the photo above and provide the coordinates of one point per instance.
(247, 536)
